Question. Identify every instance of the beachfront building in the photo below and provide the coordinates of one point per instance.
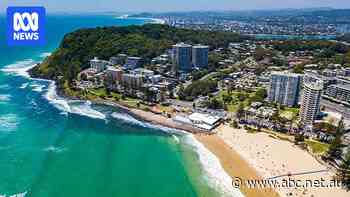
(310, 103)
(182, 55)
(200, 56)
(202, 121)
(98, 65)
(132, 82)
(114, 74)
(284, 88)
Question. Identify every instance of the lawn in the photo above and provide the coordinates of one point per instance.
(289, 113)
(100, 92)
(233, 106)
(317, 147)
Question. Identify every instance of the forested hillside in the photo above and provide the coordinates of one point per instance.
(147, 41)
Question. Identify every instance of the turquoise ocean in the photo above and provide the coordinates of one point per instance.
(53, 147)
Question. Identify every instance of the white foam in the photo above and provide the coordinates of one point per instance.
(15, 195)
(45, 54)
(19, 195)
(71, 106)
(85, 109)
(23, 86)
(128, 118)
(54, 99)
(8, 122)
(37, 87)
(216, 175)
(5, 97)
(54, 149)
(176, 139)
(20, 68)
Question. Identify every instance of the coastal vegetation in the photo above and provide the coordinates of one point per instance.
(197, 88)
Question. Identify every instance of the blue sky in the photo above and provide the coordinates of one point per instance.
(171, 5)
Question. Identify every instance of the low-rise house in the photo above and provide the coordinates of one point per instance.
(199, 120)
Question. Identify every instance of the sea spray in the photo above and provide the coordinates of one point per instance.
(20, 68)
(54, 99)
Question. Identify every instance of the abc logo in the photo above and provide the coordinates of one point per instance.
(32, 21)
(26, 25)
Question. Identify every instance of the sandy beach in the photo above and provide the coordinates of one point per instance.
(256, 156)
(270, 157)
(234, 164)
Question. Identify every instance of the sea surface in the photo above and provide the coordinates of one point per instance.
(53, 147)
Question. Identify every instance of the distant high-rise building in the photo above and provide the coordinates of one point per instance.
(132, 63)
(200, 56)
(310, 102)
(182, 55)
(284, 88)
(119, 59)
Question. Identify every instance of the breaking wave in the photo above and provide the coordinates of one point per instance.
(216, 175)
(45, 54)
(20, 68)
(129, 119)
(69, 106)
(23, 86)
(37, 87)
(15, 195)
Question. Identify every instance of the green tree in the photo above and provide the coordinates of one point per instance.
(299, 138)
(181, 92)
(215, 104)
(335, 149)
(344, 171)
(226, 99)
(240, 111)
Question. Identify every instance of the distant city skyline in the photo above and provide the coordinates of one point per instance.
(164, 6)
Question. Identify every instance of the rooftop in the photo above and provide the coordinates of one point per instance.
(181, 44)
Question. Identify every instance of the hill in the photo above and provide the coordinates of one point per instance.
(147, 41)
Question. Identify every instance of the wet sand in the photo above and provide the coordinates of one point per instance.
(234, 164)
(272, 157)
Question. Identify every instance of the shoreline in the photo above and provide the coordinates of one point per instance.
(271, 157)
(234, 165)
(235, 160)
(232, 162)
